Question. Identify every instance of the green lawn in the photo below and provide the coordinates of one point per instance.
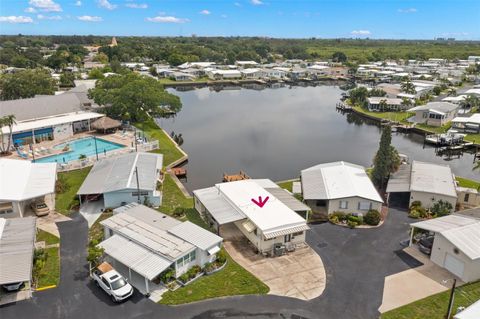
(434, 129)
(173, 198)
(475, 138)
(287, 185)
(166, 146)
(435, 307)
(465, 182)
(50, 274)
(48, 238)
(230, 281)
(392, 116)
(65, 201)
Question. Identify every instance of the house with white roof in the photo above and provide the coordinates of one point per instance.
(215, 74)
(22, 182)
(424, 182)
(142, 243)
(470, 124)
(339, 186)
(252, 73)
(456, 244)
(119, 180)
(246, 64)
(264, 213)
(391, 104)
(435, 113)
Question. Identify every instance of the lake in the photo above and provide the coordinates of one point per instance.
(275, 133)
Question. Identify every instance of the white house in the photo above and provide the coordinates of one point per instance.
(123, 179)
(267, 225)
(435, 113)
(22, 182)
(245, 64)
(456, 245)
(339, 186)
(465, 124)
(391, 104)
(142, 243)
(223, 74)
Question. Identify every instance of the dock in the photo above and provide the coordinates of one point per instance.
(343, 107)
(179, 171)
(235, 177)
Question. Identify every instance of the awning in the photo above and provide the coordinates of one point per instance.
(287, 231)
(213, 250)
(249, 226)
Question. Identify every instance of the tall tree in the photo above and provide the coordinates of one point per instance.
(6, 121)
(408, 87)
(339, 57)
(386, 160)
(25, 84)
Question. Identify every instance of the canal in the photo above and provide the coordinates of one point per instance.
(275, 133)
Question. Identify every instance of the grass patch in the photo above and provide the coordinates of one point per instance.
(475, 138)
(166, 146)
(465, 182)
(392, 116)
(65, 201)
(434, 129)
(96, 231)
(50, 273)
(435, 307)
(230, 281)
(173, 198)
(48, 238)
(288, 185)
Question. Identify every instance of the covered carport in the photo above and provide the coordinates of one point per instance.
(398, 187)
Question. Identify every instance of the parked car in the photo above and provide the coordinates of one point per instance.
(13, 286)
(40, 208)
(112, 282)
(425, 245)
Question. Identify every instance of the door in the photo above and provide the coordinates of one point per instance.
(454, 265)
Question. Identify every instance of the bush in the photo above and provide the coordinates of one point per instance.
(61, 185)
(414, 214)
(221, 257)
(167, 275)
(372, 217)
(416, 203)
(358, 220)
(442, 208)
(352, 224)
(184, 278)
(336, 217)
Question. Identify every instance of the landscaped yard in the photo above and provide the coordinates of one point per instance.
(50, 273)
(48, 238)
(166, 146)
(435, 307)
(465, 182)
(434, 129)
(173, 199)
(392, 116)
(231, 280)
(68, 199)
(287, 185)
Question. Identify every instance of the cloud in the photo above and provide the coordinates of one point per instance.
(106, 4)
(224, 16)
(136, 5)
(167, 19)
(30, 10)
(42, 17)
(205, 12)
(45, 5)
(16, 19)
(360, 32)
(237, 4)
(407, 10)
(256, 2)
(78, 3)
(90, 18)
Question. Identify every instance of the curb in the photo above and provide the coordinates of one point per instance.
(46, 287)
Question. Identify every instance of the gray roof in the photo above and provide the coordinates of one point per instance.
(400, 180)
(443, 107)
(17, 238)
(113, 174)
(288, 199)
(42, 106)
(432, 178)
(148, 215)
(196, 235)
(217, 206)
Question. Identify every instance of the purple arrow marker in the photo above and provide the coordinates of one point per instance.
(260, 202)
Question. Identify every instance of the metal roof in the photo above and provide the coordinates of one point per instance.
(400, 180)
(21, 180)
(113, 174)
(288, 199)
(442, 107)
(196, 235)
(135, 257)
(337, 180)
(217, 206)
(296, 187)
(432, 178)
(283, 232)
(148, 215)
(441, 224)
(17, 239)
(471, 312)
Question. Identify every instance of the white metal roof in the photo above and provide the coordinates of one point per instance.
(288, 199)
(472, 312)
(17, 238)
(135, 257)
(441, 224)
(273, 216)
(21, 179)
(117, 173)
(432, 178)
(474, 118)
(196, 235)
(148, 215)
(400, 180)
(337, 180)
(217, 206)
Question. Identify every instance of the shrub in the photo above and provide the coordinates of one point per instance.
(184, 277)
(221, 257)
(372, 217)
(416, 203)
(167, 275)
(336, 217)
(442, 208)
(358, 220)
(61, 185)
(352, 224)
(414, 214)
(208, 267)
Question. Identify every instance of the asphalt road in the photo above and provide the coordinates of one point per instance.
(356, 263)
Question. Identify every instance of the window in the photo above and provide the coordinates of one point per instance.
(288, 238)
(467, 196)
(364, 205)
(186, 259)
(105, 282)
(142, 193)
(343, 204)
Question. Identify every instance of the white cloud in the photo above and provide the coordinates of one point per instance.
(45, 5)
(90, 18)
(78, 3)
(167, 19)
(136, 5)
(224, 16)
(237, 4)
(16, 19)
(360, 32)
(106, 4)
(30, 10)
(205, 12)
(42, 17)
(407, 10)
(256, 2)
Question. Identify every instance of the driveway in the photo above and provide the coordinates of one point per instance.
(356, 263)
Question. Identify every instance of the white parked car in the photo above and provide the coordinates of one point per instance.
(112, 282)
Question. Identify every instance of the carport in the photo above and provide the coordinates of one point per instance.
(398, 187)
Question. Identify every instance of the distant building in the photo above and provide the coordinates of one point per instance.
(464, 124)
(391, 104)
(435, 113)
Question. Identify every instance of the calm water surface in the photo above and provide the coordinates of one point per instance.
(275, 133)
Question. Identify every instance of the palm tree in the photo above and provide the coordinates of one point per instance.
(470, 101)
(383, 105)
(451, 92)
(406, 102)
(7, 121)
(408, 87)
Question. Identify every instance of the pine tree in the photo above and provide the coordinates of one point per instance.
(386, 160)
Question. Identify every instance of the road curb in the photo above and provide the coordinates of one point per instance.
(46, 287)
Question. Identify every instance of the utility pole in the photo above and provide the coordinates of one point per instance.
(96, 151)
(450, 302)
(33, 153)
(138, 186)
(135, 138)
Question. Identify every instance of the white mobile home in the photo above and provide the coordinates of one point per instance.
(435, 113)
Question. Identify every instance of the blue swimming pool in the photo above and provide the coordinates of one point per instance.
(78, 147)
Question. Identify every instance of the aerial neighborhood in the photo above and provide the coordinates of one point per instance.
(107, 195)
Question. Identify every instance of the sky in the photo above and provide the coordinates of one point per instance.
(379, 19)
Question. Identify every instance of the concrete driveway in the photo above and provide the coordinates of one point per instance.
(299, 274)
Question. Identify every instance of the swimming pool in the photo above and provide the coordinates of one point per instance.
(78, 147)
